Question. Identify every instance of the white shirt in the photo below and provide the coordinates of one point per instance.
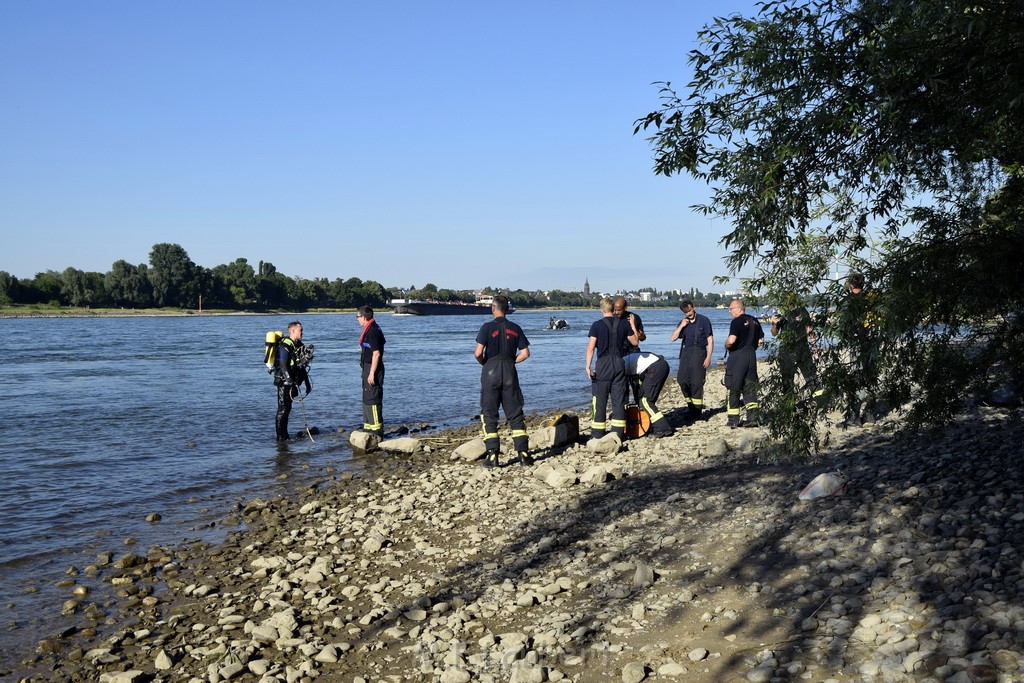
(637, 363)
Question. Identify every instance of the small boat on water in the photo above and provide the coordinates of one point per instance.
(482, 306)
(557, 324)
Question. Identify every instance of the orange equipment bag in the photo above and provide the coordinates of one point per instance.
(637, 421)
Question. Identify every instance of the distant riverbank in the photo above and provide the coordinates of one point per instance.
(42, 312)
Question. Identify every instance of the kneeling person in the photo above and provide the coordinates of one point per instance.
(652, 370)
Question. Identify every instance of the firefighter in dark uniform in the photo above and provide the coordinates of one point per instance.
(651, 370)
(745, 335)
(608, 337)
(694, 357)
(858, 320)
(797, 343)
(291, 368)
(622, 313)
(500, 344)
(371, 365)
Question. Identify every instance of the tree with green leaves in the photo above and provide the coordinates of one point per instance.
(128, 285)
(174, 276)
(879, 137)
(234, 284)
(8, 288)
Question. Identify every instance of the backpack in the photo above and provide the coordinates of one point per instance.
(270, 355)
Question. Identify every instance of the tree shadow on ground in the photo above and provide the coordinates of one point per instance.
(818, 569)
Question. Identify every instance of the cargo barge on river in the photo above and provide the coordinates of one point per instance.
(482, 306)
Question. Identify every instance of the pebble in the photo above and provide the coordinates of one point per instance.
(633, 672)
(430, 566)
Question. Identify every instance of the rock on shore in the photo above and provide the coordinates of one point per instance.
(683, 558)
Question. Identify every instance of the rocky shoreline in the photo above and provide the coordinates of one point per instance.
(683, 558)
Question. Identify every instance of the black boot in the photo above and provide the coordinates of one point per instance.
(491, 459)
(524, 458)
(282, 427)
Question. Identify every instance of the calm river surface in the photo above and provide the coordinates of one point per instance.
(106, 420)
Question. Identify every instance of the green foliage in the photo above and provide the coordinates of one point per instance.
(879, 137)
(233, 284)
(8, 288)
(173, 276)
(129, 285)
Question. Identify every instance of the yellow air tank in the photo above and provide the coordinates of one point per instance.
(273, 338)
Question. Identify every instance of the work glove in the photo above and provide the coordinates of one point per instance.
(309, 387)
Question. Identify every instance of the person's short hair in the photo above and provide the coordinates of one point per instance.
(855, 281)
(292, 324)
(365, 311)
(607, 304)
(686, 303)
(500, 301)
(738, 301)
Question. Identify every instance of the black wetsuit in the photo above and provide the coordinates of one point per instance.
(287, 377)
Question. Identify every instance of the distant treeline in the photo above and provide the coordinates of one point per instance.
(172, 279)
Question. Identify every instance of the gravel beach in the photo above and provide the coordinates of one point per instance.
(684, 558)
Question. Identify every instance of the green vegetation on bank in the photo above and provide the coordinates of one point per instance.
(171, 280)
(886, 137)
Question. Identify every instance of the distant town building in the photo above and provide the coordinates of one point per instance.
(586, 286)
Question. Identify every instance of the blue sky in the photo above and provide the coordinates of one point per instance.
(461, 143)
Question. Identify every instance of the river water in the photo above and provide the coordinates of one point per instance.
(107, 420)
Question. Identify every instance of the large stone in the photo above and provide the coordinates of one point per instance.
(542, 470)
(595, 474)
(363, 441)
(542, 438)
(405, 444)
(644, 575)
(561, 476)
(715, 448)
(374, 543)
(609, 444)
(671, 668)
(163, 662)
(634, 672)
(471, 450)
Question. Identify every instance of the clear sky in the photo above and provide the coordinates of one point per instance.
(461, 143)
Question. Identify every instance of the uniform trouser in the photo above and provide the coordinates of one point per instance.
(373, 400)
(864, 402)
(499, 388)
(692, 375)
(610, 382)
(741, 378)
(790, 363)
(285, 394)
(652, 382)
